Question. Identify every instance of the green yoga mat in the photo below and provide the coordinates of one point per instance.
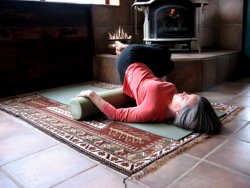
(66, 94)
(162, 129)
(166, 129)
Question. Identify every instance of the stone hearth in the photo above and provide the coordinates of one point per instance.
(194, 72)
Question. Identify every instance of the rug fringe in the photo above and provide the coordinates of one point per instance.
(156, 164)
(231, 115)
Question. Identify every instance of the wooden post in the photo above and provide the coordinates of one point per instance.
(106, 2)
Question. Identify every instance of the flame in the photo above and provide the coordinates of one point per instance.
(172, 12)
(119, 34)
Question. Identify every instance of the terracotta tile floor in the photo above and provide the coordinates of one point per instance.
(30, 158)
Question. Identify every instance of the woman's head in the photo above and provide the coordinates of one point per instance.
(198, 115)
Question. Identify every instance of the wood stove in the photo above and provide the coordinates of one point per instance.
(169, 20)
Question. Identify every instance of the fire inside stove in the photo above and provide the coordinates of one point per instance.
(172, 22)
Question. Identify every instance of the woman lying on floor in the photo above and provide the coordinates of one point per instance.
(140, 68)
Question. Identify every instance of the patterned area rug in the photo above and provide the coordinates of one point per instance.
(126, 149)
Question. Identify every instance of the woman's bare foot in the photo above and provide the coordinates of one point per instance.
(119, 47)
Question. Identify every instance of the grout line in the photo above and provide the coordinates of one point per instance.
(226, 168)
(199, 162)
(27, 156)
(218, 165)
(184, 174)
(204, 161)
(84, 171)
(11, 178)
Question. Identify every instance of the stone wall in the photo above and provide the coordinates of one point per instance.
(220, 25)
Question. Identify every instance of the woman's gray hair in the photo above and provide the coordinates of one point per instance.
(199, 118)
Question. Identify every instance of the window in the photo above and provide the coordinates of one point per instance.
(79, 1)
(100, 2)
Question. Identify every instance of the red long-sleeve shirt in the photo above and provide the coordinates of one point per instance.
(151, 94)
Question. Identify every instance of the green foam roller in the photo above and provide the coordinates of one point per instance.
(82, 107)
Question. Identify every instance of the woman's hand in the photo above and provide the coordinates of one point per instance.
(86, 93)
(97, 100)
